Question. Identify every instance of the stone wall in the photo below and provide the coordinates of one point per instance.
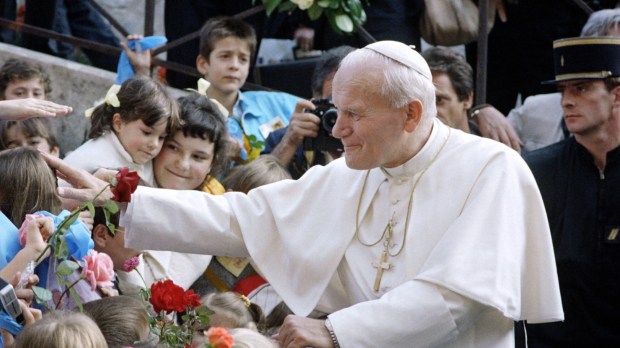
(77, 85)
(73, 84)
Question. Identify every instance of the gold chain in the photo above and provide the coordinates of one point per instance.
(388, 227)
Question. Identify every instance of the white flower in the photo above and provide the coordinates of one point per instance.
(303, 4)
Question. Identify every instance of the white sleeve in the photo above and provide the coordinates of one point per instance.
(416, 314)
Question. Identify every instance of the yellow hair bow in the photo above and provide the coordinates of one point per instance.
(111, 99)
(203, 86)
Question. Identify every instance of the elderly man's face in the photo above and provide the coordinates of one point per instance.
(371, 131)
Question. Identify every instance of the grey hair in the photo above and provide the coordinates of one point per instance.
(600, 23)
(401, 84)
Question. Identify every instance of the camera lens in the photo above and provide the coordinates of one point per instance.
(329, 119)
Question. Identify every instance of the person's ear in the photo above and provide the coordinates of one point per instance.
(616, 94)
(100, 236)
(117, 122)
(414, 111)
(469, 101)
(55, 151)
(202, 64)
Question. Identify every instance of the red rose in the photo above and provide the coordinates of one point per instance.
(191, 299)
(126, 184)
(167, 296)
(219, 338)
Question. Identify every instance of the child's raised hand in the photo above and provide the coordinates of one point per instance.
(140, 60)
(38, 231)
(22, 109)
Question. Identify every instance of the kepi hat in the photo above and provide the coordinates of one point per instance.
(586, 58)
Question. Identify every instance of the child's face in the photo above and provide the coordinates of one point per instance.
(114, 246)
(184, 162)
(15, 137)
(21, 89)
(228, 66)
(139, 140)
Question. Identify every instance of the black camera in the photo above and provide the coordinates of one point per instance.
(324, 141)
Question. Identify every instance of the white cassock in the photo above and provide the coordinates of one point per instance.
(478, 252)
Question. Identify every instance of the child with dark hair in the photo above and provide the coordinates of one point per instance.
(227, 46)
(20, 79)
(195, 152)
(128, 129)
(34, 132)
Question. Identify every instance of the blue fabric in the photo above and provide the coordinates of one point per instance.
(125, 70)
(9, 241)
(79, 242)
(9, 324)
(255, 108)
(78, 237)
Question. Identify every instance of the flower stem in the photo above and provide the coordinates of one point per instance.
(47, 247)
(66, 291)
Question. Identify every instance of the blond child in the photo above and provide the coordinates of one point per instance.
(60, 329)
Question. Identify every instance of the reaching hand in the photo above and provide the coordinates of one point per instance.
(297, 331)
(22, 109)
(85, 185)
(303, 124)
(140, 60)
(494, 125)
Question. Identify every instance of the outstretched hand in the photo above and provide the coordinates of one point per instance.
(494, 125)
(85, 185)
(22, 109)
(299, 332)
(139, 59)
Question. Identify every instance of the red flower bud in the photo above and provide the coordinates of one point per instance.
(126, 184)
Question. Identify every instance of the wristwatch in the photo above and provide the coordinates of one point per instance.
(474, 111)
(330, 329)
(9, 301)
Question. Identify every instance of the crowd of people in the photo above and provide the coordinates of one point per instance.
(419, 228)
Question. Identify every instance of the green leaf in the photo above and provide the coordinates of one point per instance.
(111, 206)
(271, 5)
(315, 11)
(41, 295)
(66, 267)
(324, 3)
(76, 298)
(61, 251)
(91, 209)
(286, 6)
(344, 23)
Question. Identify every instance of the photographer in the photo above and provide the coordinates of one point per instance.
(286, 144)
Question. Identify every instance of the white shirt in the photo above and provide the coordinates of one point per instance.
(478, 252)
(107, 152)
(538, 121)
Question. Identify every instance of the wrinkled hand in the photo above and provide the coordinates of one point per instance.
(22, 109)
(297, 331)
(139, 59)
(494, 125)
(304, 38)
(85, 185)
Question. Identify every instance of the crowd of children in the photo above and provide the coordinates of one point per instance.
(183, 144)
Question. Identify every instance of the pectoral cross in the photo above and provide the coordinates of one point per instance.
(383, 263)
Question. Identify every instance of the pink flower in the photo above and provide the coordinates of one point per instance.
(98, 269)
(131, 263)
(22, 230)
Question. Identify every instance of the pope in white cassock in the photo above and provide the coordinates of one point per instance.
(421, 236)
